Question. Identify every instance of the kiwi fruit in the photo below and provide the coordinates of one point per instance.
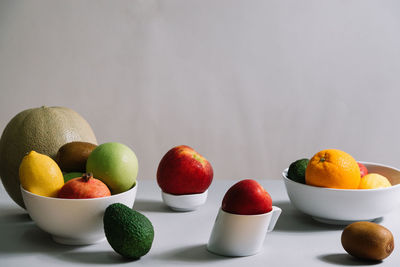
(367, 241)
(72, 156)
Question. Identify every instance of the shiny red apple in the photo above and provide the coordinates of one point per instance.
(84, 187)
(247, 197)
(363, 169)
(184, 171)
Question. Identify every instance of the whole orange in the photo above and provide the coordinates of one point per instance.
(333, 168)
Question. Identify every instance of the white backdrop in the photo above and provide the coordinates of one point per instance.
(251, 85)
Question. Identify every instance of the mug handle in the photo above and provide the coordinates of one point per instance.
(276, 212)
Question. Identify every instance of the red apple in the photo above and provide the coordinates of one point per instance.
(363, 169)
(184, 171)
(84, 187)
(247, 197)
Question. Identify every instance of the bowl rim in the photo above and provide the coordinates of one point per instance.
(185, 195)
(78, 199)
(274, 208)
(286, 178)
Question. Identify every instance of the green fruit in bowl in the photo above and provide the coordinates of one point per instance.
(115, 164)
(71, 175)
(297, 171)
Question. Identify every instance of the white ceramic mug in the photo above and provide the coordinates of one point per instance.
(241, 235)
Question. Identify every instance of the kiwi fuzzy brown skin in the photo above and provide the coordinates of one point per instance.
(72, 156)
(367, 241)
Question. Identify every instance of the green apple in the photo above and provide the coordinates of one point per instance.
(115, 164)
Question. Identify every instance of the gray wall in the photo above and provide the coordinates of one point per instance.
(252, 85)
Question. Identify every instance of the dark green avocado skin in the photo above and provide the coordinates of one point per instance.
(297, 171)
(129, 232)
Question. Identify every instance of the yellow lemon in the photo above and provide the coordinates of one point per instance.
(373, 181)
(40, 174)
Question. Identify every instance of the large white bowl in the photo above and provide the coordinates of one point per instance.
(343, 206)
(73, 221)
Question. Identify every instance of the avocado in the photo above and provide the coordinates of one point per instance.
(297, 171)
(72, 157)
(129, 232)
(367, 240)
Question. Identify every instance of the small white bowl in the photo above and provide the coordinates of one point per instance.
(73, 221)
(236, 235)
(188, 202)
(344, 206)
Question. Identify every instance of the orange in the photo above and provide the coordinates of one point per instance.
(374, 180)
(333, 168)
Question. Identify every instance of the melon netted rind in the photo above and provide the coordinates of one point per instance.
(43, 130)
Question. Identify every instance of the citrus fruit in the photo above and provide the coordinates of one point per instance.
(39, 174)
(373, 181)
(333, 168)
(297, 171)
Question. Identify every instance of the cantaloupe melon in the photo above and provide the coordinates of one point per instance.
(43, 130)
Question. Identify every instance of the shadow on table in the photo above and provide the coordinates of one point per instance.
(292, 220)
(19, 234)
(195, 253)
(93, 257)
(345, 259)
(9, 215)
(148, 205)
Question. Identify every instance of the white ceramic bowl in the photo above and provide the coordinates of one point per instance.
(343, 206)
(188, 202)
(73, 221)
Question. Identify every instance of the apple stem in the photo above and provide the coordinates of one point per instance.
(87, 176)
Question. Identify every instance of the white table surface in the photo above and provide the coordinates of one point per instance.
(180, 238)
